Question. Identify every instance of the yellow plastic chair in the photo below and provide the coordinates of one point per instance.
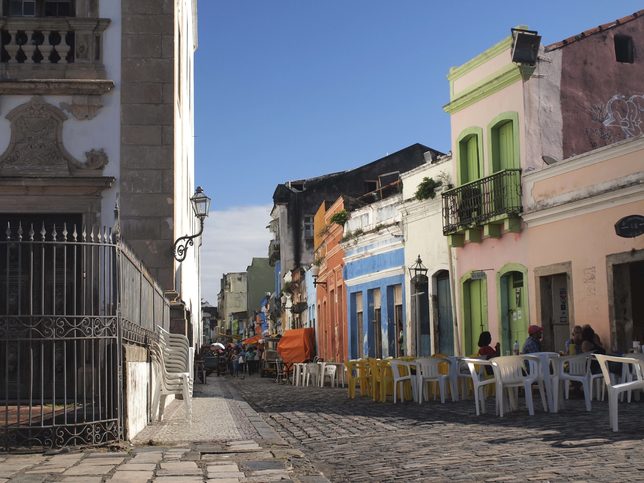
(352, 377)
(364, 377)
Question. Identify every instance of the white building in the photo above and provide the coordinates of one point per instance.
(97, 114)
(428, 303)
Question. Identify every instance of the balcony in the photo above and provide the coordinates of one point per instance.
(52, 55)
(488, 202)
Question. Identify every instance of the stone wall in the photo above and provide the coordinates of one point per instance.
(147, 137)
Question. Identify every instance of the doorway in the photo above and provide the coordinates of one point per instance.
(555, 311)
(475, 313)
(445, 327)
(628, 304)
(514, 310)
(420, 311)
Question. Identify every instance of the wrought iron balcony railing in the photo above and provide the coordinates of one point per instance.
(478, 202)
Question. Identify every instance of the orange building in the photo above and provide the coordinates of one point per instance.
(330, 288)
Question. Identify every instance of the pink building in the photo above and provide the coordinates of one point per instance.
(548, 155)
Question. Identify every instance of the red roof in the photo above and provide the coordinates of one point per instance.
(587, 33)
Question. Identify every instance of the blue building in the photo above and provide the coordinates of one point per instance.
(374, 275)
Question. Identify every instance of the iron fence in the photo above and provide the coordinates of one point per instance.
(68, 301)
(479, 201)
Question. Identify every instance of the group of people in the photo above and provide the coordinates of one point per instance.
(235, 359)
(583, 339)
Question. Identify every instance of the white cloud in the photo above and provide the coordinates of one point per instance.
(232, 238)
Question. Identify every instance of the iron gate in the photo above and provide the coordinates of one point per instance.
(61, 335)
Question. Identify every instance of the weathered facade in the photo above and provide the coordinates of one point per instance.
(296, 202)
(428, 302)
(532, 145)
(96, 147)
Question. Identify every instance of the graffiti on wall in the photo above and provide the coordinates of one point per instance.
(620, 118)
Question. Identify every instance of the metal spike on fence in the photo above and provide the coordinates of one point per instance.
(31, 232)
(109, 239)
(75, 233)
(91, 234)
(43, 232)
(54, 235)
(104, 233)
(84, 233)
(20, 230)
(65, 232)
(8, 231)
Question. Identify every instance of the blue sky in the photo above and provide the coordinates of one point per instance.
(289, 89)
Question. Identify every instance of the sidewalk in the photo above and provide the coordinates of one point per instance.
(227, 442)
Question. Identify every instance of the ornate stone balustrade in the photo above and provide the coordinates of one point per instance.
(51, 48)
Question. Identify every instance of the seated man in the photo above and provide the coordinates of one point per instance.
(533, 342)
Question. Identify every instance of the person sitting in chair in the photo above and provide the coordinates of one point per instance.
(533, 342)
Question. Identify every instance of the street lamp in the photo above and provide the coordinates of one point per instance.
(315, 270)
(417, 270)
(201, 206)
(417, 274)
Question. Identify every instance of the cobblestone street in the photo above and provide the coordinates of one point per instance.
(359, 440)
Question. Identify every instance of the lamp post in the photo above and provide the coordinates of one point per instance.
(315, 271)
(417, 272)
(201, 206)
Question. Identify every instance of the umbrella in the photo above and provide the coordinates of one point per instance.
(219, 345)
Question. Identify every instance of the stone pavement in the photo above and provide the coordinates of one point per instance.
(360, 440)
(226, 442)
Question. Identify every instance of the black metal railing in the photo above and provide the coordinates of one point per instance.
(69, 299)
(475, 203)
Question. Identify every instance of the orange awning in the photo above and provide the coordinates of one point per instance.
(252, 340)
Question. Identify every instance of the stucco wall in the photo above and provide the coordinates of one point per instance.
(423, 236)
(601, 98)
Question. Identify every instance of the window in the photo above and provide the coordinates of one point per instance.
(22, 8)
(503, 146)
(468, 150)
(308, 226)
(624, 51)
(39, 8)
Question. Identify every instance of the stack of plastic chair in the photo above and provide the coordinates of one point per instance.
(173, 356)
(510, 373)
(614, 390)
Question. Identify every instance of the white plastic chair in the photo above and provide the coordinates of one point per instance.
(476, 368)
(312, 372)
(577, 369)
(628, 374)
(329, 372)
(614, 390)
(517, 371)
(428, 371)
(401, 372)
(298, 373)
